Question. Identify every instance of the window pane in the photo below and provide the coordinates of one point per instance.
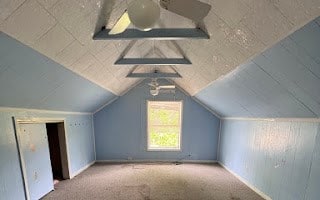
(167, 137)
(164, 125)
(164, 117)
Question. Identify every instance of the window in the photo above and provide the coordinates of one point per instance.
(164, 125)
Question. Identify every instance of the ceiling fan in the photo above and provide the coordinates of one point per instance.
(143, 14)
(156, 88)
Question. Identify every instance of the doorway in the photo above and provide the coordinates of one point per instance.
(42, 147)
(58, 151)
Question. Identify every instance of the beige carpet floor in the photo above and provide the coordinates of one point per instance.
(154, 182)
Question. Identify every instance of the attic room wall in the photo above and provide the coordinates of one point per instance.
(120, 129)
(80, 142)
(271, 107)
(279, 158)
(31, 80)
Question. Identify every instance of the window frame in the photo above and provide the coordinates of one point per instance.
(180, 130)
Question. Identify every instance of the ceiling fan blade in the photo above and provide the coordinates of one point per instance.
(152, 85)
(167, 86)
(122, 24)
(191, 9)
(167, 91)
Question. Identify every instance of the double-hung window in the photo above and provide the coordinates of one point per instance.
(164, 125)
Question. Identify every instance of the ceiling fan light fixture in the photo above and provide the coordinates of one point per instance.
(154, 92)
(144, 14)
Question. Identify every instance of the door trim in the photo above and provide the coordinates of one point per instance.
(26, 120)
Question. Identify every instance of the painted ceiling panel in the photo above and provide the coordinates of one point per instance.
(31, 80)
(239, 30)
(76, 94)
(222, 93)
(282, 82)
(285, 66)
(303, 57)
(308, 38)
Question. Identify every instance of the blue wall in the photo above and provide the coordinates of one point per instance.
(120, 129)
(80, 138)
(281, 82)
(281, 159)
(31, 80)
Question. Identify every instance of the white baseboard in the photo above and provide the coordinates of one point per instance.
(246, 183)
(159, 161)
(82, 169)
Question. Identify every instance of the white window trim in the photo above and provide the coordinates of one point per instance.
(180, 132)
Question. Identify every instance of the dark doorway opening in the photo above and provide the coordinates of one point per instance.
(54, 148)
(58, 151)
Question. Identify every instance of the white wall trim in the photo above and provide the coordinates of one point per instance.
(82, 169)
(158, 161)
(11, 109)
(21, 159)
(246, 183)
(274, 119)
(219, 140)
(62, 132)
(94, 139)
(105, 105)
(39, 120)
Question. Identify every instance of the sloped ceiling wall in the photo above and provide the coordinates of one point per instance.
(31, 80)
(283, 82)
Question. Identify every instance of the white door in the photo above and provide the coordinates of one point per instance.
(35, 155)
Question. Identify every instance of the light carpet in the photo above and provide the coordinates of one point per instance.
(154, 181)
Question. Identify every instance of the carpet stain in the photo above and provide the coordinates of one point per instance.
(235, 198)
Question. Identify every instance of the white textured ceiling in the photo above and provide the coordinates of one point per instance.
(239, 29)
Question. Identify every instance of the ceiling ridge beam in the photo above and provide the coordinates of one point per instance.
(153, 61)
(154, 34)
(154, 75)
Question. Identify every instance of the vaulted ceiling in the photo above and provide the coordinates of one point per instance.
(239, 30)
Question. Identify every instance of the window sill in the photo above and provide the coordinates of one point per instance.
(155, 150)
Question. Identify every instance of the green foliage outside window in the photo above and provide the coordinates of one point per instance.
(164, 126)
